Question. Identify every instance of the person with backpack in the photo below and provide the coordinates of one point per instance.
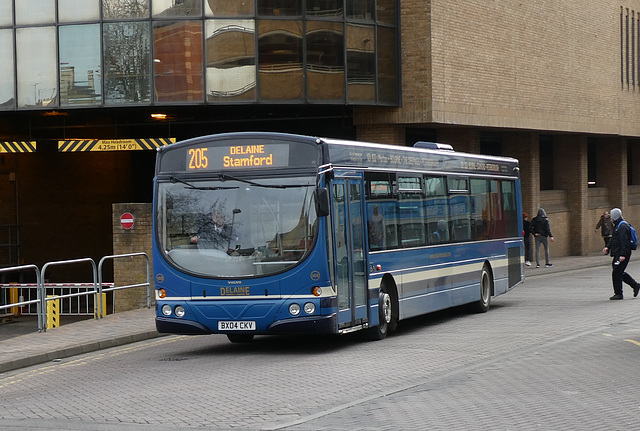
(619, 247)
(542, 233)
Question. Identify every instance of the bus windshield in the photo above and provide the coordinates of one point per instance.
(236, 227)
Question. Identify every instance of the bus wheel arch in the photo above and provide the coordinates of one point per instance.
(486, 290)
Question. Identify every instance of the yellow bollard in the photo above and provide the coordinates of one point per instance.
(95, 305)
(53, 313)
(13, 298)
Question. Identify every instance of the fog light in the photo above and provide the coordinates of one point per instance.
(294, 309)
(179, 310)
(309, 308)
(166, 310)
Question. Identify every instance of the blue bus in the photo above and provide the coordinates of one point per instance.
(273, 233)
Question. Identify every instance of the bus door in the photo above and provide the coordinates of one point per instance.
(349, 249)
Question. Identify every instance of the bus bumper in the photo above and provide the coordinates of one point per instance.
(165, 325)
(306, 325)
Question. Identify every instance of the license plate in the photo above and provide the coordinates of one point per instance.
(237, 325)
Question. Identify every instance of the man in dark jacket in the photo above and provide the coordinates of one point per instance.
(542, 232)
(620, 251)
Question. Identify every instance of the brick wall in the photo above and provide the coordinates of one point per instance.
(132, 270)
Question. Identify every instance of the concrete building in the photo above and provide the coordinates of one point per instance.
(89, 87)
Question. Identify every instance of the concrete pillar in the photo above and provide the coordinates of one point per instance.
(525, 148)
(612, 172)
(570, 173)
(132, 270)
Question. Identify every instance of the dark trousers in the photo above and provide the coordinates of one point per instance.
(618, 275)
(527, 248)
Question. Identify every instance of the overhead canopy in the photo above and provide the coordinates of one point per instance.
(76, 145)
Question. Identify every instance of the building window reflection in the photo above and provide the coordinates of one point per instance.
(231, 69)
(325, 60)
(177, 61)
(361, 63)
(111, 52)
(126, 62)
(120, 9)
(36, 67)
(7, 82)
(80, 81)
(177, 8)
(280, 59)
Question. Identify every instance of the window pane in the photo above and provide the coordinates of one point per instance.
(170, 8)
(7, 100)
(37, 71)
(460, 226)
(231, 69)
(219, 8)
(510, 209)
(325, 60)
(78, 10)
(280, 7)
(80, 65)
(178, 61)
(361, 63)
(387, 67)
(436, 213)
(480, 215)
(386, 12)
(360, 9)
(114, 9)
(280, 59)
(6, 12)
(126, 62)
(411, 204)
(324, 8)
(35, 12)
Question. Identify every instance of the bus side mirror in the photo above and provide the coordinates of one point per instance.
(322, 202)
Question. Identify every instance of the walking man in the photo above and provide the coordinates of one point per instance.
(620, 251)
(542, 232)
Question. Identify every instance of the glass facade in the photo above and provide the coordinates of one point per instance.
(94, 53)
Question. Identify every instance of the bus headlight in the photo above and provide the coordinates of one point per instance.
(309, 308)
(294, 309)
(166, 310)
(179, 310)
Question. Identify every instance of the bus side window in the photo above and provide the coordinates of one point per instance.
(435, 210)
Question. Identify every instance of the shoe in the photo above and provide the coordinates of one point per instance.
(537, 266)
(617, 297)
(527, 263)
(549, 265)
(636, 290)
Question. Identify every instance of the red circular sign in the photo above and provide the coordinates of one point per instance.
(126, 220)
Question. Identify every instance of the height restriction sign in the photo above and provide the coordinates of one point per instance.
(126, 220)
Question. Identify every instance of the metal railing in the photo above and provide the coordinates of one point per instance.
(98, 286)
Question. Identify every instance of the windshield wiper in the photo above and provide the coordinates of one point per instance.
(224, 177)
(193, 187)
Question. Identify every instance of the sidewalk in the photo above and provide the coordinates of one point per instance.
(130, 326)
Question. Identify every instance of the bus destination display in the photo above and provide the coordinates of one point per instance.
(237, 156)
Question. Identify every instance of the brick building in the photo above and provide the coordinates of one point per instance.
(554, 84)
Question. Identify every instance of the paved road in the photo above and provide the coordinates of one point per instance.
(554, 353)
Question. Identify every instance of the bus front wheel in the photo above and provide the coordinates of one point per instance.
(385, 317)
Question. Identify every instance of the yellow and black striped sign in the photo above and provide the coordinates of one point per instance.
(112, 144)
(18, 147)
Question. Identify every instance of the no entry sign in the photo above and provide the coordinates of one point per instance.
(126, 220)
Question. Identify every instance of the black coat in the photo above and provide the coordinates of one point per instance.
(619, 242)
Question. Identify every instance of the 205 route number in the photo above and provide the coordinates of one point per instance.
(236, 325)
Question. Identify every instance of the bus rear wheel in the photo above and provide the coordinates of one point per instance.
(240, 338)
(486, 288)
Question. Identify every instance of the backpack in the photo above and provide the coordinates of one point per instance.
(633, 237)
